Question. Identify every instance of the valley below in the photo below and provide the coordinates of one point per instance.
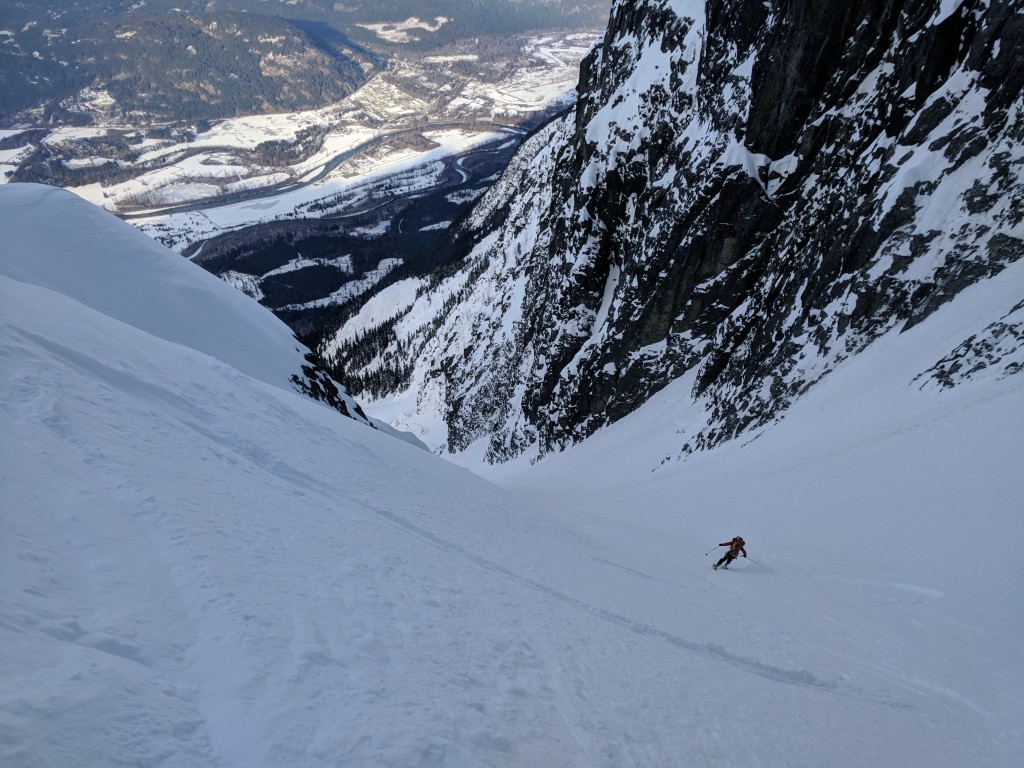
(307, 211)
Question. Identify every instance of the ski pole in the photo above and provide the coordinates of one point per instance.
(709, 552)
(755, 562)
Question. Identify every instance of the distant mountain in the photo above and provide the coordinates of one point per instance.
(427, 24)
(747, 193)
(76, 61)
(78, 67)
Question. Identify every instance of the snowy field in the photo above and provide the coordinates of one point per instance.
(405, 171)
(202, 568)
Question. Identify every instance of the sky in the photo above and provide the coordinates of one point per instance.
(201, 567)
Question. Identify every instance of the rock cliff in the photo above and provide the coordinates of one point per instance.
(746, 193)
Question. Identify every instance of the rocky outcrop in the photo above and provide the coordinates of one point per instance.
(747, 196)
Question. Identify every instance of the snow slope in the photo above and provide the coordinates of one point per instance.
(203, 568)
(885, 515)
(55, 240)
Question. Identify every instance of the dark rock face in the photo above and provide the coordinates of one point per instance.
(316, 383)
(745, 198)
(999, 346)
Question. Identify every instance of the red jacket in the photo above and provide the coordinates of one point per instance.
(734, 547)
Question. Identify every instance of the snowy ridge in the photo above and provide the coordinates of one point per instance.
(776, 186)
(59, 242)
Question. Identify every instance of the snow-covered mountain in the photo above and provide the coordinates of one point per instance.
(201, 567)
(748, 191)
(59, 242)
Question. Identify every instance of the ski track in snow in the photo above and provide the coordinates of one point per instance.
(801, 678)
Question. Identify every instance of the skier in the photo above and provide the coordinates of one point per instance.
(735, 547)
